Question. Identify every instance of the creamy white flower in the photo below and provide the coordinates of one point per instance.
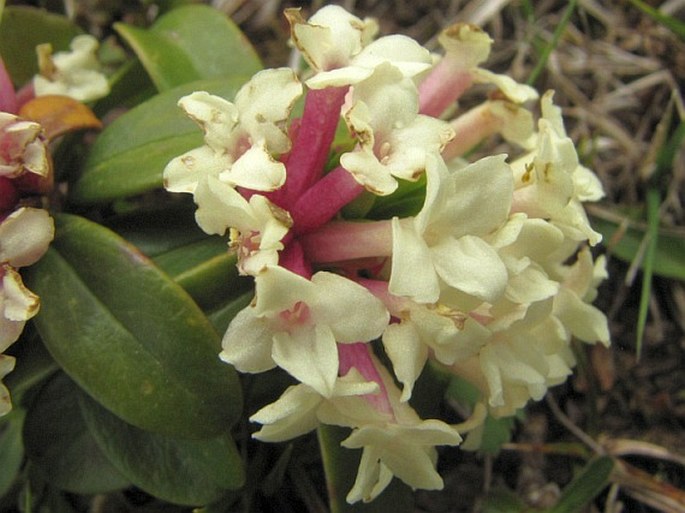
(466, 46)
(22, 147)
(24, 238)
(578, 290)
(512, 121)
(338, 47)
(296, 411)
(421, 328)
(295, 323)
(551, 183)
(240, 137)
(76, 74)
(393, 138)
(402, 445)
(519, 358)
(444, 246)
(257, 226)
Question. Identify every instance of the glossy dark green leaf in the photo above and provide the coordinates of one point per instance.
(190, 43)
(21, 29)
(222, 316)
(206, 270)
(158, 230)
(178, 470)
(129, 156)
(33, 364)
(340, 465)
(60, 447)
(129, 336)
(129, 86)
(585, 486)
(11, 448)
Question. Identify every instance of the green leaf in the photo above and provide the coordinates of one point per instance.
(201, 264)
(130, 336)
(623, 239)
(190, 43)
(34, 364)
(129, 86)
(21, 29)
(206, 270)
(11, 448)
(585, 487)
(223, 315)
(158, 230)
(340, 465)
(177, 470)
(130, 155)
(60, 447)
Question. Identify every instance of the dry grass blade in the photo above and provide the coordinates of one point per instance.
(648, 489)
(625, 447)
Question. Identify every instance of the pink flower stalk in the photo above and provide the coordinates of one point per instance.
(465, 46)
(293, 258)
(324, 200)
(347, 240)
(307, 158)
(9, 196)
(442, 87)
(358, 356)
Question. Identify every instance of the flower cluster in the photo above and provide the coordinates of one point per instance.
(26, 175)
(76, 74)
(25, 232)
(490, 278)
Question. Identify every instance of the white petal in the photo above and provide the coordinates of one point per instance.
(217, 117)
(365, 315)
(467, 45)
(309, 355)
(470, 211)
(293, 414)
(24, 236)
(409, 57)
(349, 75)
(247, 343)
(369, 172)
(517, 93)
(407, 354)
(372, 477)
(220, 207)
(471, 265)
(18, 302)
(412, 274)
(256, 169)
(585, 321)
(278, 290)
(330, 38)
(265, 103)
(183, 173)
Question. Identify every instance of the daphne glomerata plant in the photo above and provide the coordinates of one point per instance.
(490, 279)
